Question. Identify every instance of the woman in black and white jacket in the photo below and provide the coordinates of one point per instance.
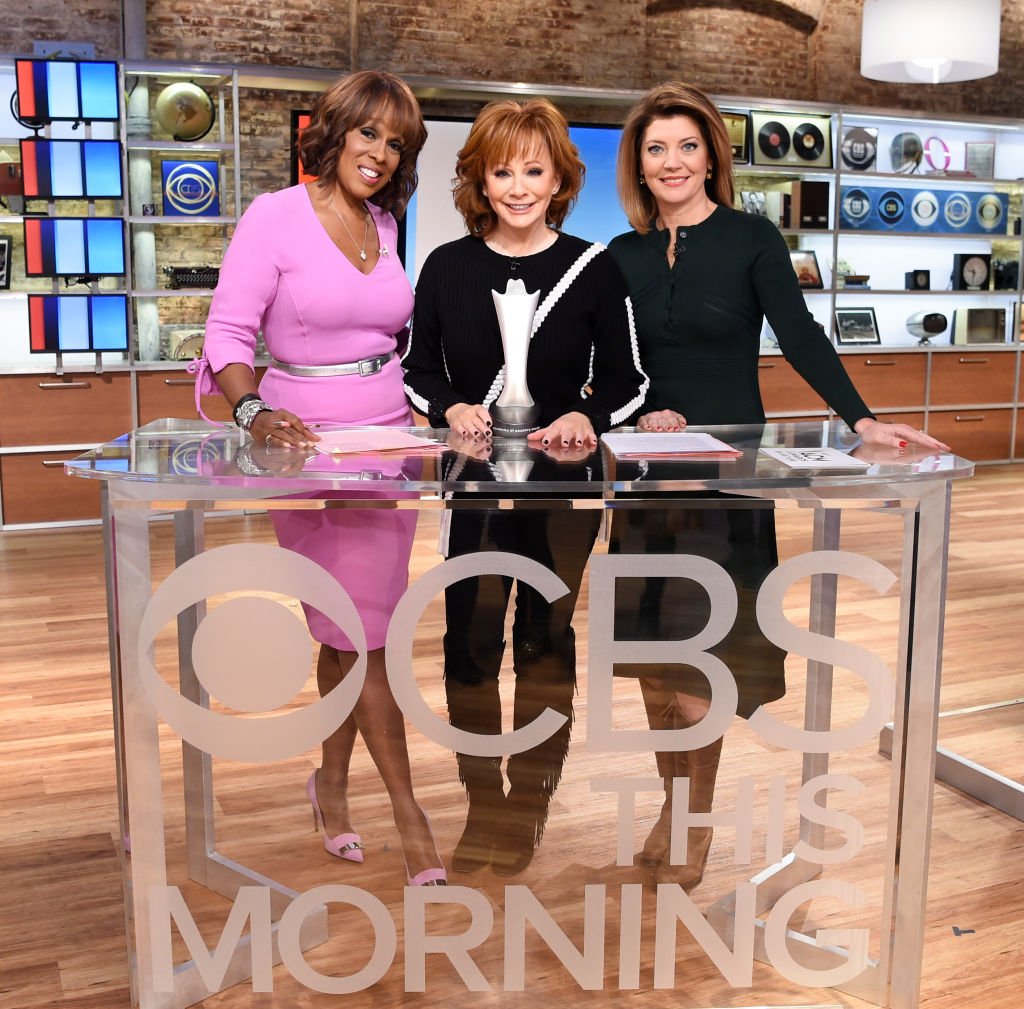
(516, 181)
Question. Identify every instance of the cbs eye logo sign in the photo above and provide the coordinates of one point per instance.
(190, 188)
(251, 653)
(866, 208)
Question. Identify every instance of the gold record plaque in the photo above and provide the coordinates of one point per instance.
(786, 138)
(736, 125)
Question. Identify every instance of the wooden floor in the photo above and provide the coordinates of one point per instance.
(62, 928)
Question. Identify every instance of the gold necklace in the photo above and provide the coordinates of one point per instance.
(366, 230)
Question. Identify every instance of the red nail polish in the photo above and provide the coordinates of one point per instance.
(903, 444)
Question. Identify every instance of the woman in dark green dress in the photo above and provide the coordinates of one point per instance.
(702, 278)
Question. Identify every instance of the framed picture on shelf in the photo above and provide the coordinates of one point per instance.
(5, 262)
(805, 266)
(856, 327)
(980, 159)
(736, 124)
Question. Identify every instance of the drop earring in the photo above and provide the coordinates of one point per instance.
(708, 176)
(643, 181)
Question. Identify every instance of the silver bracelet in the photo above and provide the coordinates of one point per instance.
(246, 413)
(247, 465)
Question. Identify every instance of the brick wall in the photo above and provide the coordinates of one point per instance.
(95, 21)
(794, 49)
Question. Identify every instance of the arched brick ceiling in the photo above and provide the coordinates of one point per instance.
(801, 14)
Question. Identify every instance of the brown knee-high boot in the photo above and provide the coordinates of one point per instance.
(476, 707)
(702, 768)
(662, 713)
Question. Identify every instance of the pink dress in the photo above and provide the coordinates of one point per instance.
(284, 275)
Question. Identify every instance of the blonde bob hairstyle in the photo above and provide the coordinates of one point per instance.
(352, 101)
(663, 101)
(505, 130)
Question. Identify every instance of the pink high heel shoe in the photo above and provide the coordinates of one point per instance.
(347, 846)
(428, 877)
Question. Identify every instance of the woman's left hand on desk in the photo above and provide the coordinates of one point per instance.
(570, 430)
(874, 432)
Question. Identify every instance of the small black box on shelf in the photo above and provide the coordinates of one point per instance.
(918, 280)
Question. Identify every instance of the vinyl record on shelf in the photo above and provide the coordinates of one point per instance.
(859, 148)
(808, 142)
(791, 138)
(773, 139)
(891, 206)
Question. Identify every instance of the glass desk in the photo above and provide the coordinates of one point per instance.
(814, 892)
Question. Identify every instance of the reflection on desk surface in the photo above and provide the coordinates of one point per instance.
(190, 452)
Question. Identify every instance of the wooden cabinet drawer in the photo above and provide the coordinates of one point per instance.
(888, 380)
(783, 390)
(973, 433)
(972, 377)
(34, 488)
(172, 394)
(913, 419)
(71, 409)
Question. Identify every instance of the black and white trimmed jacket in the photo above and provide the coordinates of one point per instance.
(583, 353)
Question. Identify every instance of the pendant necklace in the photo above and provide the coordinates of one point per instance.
(366, 230)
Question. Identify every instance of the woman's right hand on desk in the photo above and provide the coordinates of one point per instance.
(281, 429)
(661, 420)
(469, 420)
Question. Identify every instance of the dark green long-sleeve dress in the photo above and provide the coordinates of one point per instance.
(698, 330)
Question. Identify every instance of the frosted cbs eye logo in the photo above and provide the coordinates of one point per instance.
(190, 188)
(251, 653)
(924, 209)
(891, 207)
(957, 210)
(192, 457)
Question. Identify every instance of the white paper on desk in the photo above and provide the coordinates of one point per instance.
(666, 443)
(376, 440)
(815, 458)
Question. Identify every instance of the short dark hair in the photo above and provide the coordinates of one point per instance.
(502, 130)
(663, 101)
(350, 102)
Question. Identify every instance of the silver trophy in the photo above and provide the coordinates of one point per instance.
(514, 413)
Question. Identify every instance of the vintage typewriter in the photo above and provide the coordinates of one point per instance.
(191, 276)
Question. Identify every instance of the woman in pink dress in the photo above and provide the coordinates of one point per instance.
(315, 268)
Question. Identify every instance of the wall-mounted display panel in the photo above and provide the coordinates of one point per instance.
(72, 169)
(74, 247)
(67, 91)
(60, 323)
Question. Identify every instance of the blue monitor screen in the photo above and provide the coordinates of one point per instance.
(65, 323)
(67, 91)
(69, 169)
(74, 246)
